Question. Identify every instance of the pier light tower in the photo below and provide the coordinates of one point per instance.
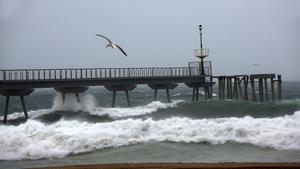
(201, 52)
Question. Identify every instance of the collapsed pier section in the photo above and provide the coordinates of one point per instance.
(254, 87)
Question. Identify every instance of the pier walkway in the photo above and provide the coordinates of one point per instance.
(22, 82)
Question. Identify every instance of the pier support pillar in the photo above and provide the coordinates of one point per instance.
(193, 96)
(223, 87)
(196, 85)
(260, 90)
(266, 89)
(75, 90)
(246, 81)
(228, 88)
(114, 99)
(197, 93)
(6, 109)
(240, 88)
(235, 88)
(166, 86)
(272, 89)
(115, 88)
(155, 94)
(127, 98)
(253, 90)
(279, 87)
(168, 95)
(15, 92)
(220, 87)
(24, 107)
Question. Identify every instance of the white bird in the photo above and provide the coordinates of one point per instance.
(112, 45)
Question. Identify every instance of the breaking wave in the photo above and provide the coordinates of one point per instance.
(34, 139)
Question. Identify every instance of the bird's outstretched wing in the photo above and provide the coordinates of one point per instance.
(121, 49)
(104, 38)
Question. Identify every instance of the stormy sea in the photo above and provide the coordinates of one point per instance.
(91, 132)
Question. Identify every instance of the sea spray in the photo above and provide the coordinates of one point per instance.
(134, 111)
(33, 139)
(87, 103)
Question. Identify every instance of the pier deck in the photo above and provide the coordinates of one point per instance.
(22, 82)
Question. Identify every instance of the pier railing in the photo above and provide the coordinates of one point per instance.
(97, 73)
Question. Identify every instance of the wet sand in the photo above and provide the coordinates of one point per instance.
(182, 166)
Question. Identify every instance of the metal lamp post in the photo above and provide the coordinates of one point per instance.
(202, 55)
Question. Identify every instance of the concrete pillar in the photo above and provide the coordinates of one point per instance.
(279, 87)
(246, 81)
(240, 88)
(235, 88)
(272, 89)
(261, 90)
(197, 93)
(127, 98)
(266, 89)
(77, 97)
(114, 99)
(166, 86)
(63, 96)
(168, 95)
(223, 88)
(155, 94)
(193, 96)
(253, 90)
(24, 107)
(220, 87)
(6, 110)
(228, 88)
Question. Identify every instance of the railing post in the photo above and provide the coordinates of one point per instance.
(4, 75)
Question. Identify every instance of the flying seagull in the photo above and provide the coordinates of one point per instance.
(112, 44)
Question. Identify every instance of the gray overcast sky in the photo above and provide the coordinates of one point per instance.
(239, 33)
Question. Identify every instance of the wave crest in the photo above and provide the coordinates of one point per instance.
(34, 139)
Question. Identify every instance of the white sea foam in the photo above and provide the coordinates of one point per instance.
(134, 111)
(203, 93)
(33, 139)
(31, 114)
(88, 104)
(176, 94)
